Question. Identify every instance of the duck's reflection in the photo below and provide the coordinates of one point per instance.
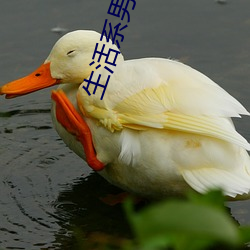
(82, 213)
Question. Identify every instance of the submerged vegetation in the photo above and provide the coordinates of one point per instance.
(196, 223)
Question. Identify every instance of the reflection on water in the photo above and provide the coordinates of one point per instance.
(86, 212)
(46, 190)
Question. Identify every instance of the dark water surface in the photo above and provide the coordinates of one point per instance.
(45, 189)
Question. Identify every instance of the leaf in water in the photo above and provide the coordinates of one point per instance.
(183, 225)
(213, 198)
(245, 235)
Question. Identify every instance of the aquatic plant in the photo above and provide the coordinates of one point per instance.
(198, 222)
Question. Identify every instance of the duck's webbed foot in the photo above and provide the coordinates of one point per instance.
(71, 120)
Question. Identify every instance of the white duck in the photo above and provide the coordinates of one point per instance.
(160, 128)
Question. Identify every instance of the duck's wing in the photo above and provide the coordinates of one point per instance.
(165, 94)
(143, 108)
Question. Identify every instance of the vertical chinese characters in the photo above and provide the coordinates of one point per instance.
(101, 53)
(117, 8)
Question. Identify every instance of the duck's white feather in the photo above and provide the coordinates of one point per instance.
(162, 127)
(164, 94)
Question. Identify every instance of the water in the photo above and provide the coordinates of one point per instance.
(46, 190)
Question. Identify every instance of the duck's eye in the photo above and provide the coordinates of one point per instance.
(70, 52)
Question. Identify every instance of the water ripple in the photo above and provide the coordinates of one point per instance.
(24, 112)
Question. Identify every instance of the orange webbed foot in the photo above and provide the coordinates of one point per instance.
(115, 199)
(71, 120)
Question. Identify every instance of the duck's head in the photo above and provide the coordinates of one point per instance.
(68, 62)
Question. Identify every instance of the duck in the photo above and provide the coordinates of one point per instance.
(154, 127)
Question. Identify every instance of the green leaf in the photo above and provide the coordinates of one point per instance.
(245, 234)
(175, 223)
(212, 197)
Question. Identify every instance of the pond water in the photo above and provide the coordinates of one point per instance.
(46, 190)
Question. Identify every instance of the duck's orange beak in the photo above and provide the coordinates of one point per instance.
(41, 78)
